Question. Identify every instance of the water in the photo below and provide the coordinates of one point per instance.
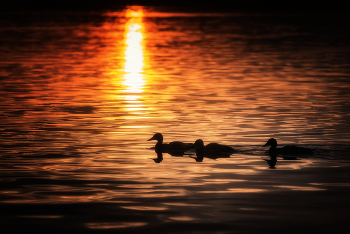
(82, 93)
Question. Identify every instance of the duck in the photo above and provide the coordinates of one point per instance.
(175, 146)
(289, 149)
(212, 149)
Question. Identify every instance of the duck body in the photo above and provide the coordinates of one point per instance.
(170, 147)
(289, 149)
(212, 149)
(215, 147)
(177, 145)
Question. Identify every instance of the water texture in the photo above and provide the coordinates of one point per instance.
(82, 93)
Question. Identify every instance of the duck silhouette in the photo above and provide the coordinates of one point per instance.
(289, 149)
(175, 147)
(212, 150)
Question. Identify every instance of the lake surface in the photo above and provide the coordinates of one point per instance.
(83, 92)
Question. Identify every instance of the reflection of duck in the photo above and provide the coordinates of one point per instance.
(159, 157)
(175, 146)
(212, 150)
(199, 157)
(272, 162)
(289, 149)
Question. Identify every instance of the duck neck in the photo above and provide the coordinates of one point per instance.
(200, 150)
(273, 149)
(159, 144)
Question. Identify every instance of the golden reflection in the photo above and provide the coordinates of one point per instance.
(181, 204)
(182, 218)
(144, 208)
(107, 225)
(237, 190)
(331, 184)
(300, 188)
(134, 61)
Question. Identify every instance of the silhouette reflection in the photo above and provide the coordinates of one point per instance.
(199, 157)
(159, 153)
(271, 162)
(159, 156)
(273, 159)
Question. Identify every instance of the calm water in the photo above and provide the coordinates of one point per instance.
(82, 93)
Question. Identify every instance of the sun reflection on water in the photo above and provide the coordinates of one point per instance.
(134, 61)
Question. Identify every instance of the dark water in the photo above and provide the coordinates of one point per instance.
(82, 93)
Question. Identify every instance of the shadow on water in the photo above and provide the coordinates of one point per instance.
(159, 158)
(200, 156)
(159, 153)
(271, 162)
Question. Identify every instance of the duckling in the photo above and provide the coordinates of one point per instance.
(213, 149)
(170, 147)
(289, 149)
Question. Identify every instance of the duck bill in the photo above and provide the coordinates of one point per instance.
(151, 139)
(265, 145)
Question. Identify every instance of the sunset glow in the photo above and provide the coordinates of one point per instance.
(158, 119)
(134, 62)
(133, 67)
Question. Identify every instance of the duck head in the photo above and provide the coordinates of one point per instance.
(199, 147)
(157, 136)
(198, 143)
(271, 142)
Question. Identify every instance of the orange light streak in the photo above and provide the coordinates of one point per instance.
(133, 67)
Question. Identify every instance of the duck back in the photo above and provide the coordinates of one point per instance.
(215, 147)
(177, 145)
(292, 149)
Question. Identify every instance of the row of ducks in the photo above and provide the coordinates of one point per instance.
(215, 148)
